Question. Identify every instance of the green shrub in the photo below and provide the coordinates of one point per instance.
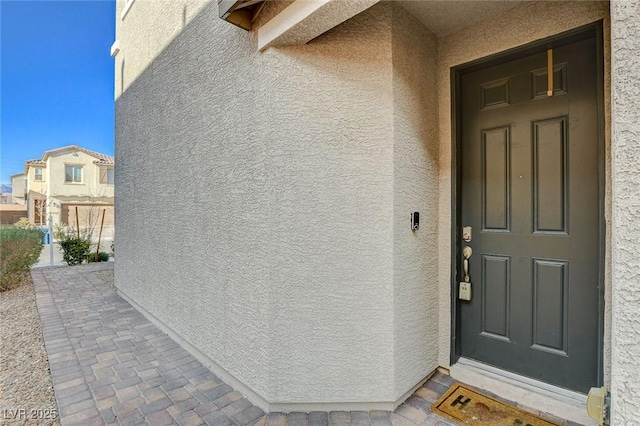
(62, 231)
(102, 257)
(19, 249)
(74, 250)
(23, 223)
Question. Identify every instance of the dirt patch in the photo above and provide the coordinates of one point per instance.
(26, 390)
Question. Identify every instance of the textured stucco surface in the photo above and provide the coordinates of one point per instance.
(287, 256)
(200, 266)
(445, 17)
(625, 89)
(276, 259)
(146, 29)
(330, 137)
(518, 26)
(415, 188)
(17, 188)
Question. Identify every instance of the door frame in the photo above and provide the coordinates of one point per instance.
(580, 33)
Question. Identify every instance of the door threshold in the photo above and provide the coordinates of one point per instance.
(532, 395)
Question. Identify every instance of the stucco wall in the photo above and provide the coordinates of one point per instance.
(519, 26)
(146, 29)
(60, 192)
(90, 185)
(331, 146)
(39, 186)
(18, 188)
(415, 185)
(290, 248)
(206, 255)
(31, 175)
(296, 171)
(625, 88)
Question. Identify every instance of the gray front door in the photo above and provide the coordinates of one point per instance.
(529, 175)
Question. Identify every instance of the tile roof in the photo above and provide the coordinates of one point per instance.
(101, 159)
(36, 162)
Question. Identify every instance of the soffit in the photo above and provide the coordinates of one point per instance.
(443, 17)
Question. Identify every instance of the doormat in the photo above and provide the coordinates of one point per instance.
(469, 407)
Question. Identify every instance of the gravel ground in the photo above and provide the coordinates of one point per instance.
(107, 277)
(26, 391)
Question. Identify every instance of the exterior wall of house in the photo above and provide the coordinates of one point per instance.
(148, 27)
(298, 232)
(415, 187)
(18, 188)
(37, 208)
(332, 226)
(33, 184)
(290, 237)
(36, 193)
(61, 194)
(90, 185)
(625, 88)
(519, 26)
(303, 165)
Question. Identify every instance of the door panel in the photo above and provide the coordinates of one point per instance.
(496, 276)
(550, 175)
(496, 179)
(529, 189)
(550, 302)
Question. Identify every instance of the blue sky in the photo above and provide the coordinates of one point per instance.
(56, 78)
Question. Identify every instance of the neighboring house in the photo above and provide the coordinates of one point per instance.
(19, 188)
(300, 149)
(5, 194)
(66, 180)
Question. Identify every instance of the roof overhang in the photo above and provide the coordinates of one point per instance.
(102, 159)
(298, 23)
(303, 20)
(239, 12)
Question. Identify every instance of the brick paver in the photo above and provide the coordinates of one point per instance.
(110, 365)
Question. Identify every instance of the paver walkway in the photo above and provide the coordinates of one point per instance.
(110, 365)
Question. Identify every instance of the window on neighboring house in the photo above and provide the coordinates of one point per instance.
(38, 173)
(73, 174)
(107, 176)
